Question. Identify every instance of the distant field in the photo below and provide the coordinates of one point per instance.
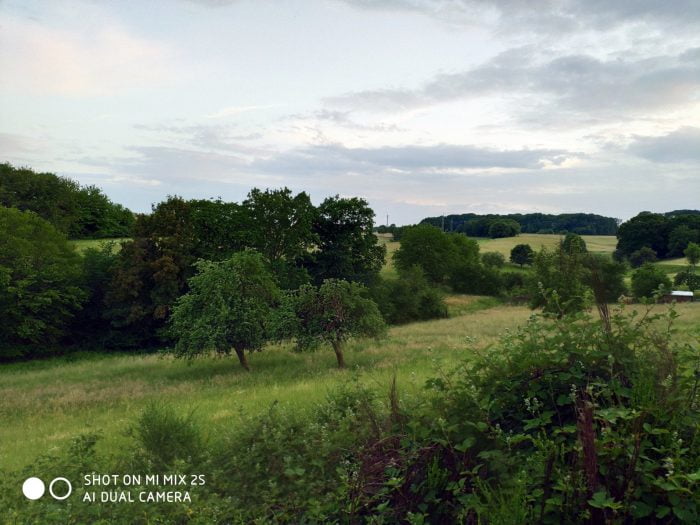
(595, 243)
(83, 244)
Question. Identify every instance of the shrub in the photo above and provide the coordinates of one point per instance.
(493, 259)
(647, 279)
(475, 278)
(642, 256)
(409, 298)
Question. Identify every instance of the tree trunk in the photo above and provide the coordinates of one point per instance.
(338, 349)
(242, 358)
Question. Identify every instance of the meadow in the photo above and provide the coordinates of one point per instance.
(44, 404)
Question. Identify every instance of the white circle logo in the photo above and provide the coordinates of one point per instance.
(33, 488)
(70, 489)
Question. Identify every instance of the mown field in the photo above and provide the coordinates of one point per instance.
(43, 404)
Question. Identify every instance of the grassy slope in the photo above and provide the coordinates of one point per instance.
(83, 244)
(43, 404)
(595, 243)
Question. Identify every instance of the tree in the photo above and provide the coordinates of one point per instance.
(647, 279)
(40, 282)
(280, 224)
(228, 307)
(692, 253)
(646, 229)
(522, 254)
(435, 252)
(332, 313)
(347, 247)
(642, 256)
(493, 259)
(558, 282)
(606, 277)
(500, 228)
(574, 243)
(679, 238)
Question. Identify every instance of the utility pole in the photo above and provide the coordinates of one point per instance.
(387, 219)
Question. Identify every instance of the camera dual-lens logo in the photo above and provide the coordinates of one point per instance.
(59, 488)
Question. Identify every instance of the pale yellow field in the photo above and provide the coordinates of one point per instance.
(594, 243)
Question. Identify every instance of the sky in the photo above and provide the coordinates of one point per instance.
(422, 107)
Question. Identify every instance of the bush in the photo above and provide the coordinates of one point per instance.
(642, 256)
(409, 298)
(493, 259)
(687, 278)
(165, 437)
(647, 280)
(475, 278)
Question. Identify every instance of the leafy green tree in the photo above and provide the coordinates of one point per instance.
(409, 298)
(500, 228)
(332, 313)
(522, 254)
(679, 238)
(642, 256)
(647, 279)
(574, 243)
(346, 245)
(472, 277)
(493, 259)
(40, 282)
(692, 253)
(646, 229)
(606, 277)
(280, 224)
(558, 282)
(435, 252)
(229, 307)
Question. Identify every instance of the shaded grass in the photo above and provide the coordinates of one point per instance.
(83, 244)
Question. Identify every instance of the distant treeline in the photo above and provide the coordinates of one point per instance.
(659, 235)
(475, 225)
(80, 212)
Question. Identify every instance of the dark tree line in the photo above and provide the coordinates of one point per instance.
(80, 212)
(648, 236)
(475, 225)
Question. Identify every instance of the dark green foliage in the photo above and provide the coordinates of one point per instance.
(472, 277)
(522, 254)
(642, 256)
(409, 298)
(688, 278)
(493, 259)
(435, 252)
(573, 243)
(666, 234)
(500, 228)
(606, 277)
(692, 253)
(40, 283)
(647, 279)
(679, 238)
(475, 225)
(331, 313)
(557, 283)
(228, 307)
(347, 247)
(79, 212)
(279, 224)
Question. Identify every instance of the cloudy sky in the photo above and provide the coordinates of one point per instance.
(423, 107)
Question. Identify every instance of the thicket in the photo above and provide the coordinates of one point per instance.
(80, 212)
(570, 419)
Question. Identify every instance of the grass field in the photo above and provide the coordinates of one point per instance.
(43, 404)
(594, 243)
(83, 244)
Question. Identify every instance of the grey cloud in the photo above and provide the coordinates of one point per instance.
(577, 83)
(679, 146)
(336, 158)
